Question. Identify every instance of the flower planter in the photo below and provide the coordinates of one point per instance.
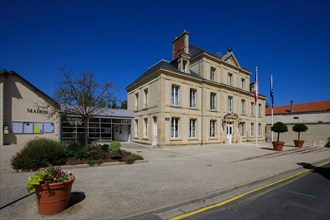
(55, 197)
(298, 143)
(278, 145)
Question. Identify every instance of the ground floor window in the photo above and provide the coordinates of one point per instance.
(175, 127)
(192, 128)
(252, 129)
(242, 129)
(212, 128)
(259, 129)
(136, 130)
(146, 127)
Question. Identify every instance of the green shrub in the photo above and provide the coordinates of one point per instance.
(105, 147)
(72, 148)
(115, 147)
(130, 159)
(299, 128)
(94, 152)
(39, 153)
(279, 127)
(93, 162)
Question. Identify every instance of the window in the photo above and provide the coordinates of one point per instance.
(243, 106)
(192, 98)
(259, 129)
(192, 128)
(212, 128)
(146, 98)
(252, 129)
(175, 95)
(212, 100)
(242, 83)
(174, 127)
(212, 73)
(230, 79)
(242, 129)
(146, 127)
(259, 110)
(230, 103)
(136, 128)
(252, 108)
(136, 100)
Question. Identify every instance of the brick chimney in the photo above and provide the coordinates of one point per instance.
(291, 106)
(181, 51)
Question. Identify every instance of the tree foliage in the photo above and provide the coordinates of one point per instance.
(299, 128)
(82, 96)
(279, 127)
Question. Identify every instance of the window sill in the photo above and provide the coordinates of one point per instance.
(145, 138)
(213, 138)
(175, 139)
(175, 106)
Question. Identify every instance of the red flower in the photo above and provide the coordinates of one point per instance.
(58, 175)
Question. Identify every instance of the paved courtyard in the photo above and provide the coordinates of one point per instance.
(171, 175)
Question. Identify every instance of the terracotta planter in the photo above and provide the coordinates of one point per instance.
(298, 143)
(54, 198)
(278, 145)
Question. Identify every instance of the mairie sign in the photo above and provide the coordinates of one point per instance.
(37, 111)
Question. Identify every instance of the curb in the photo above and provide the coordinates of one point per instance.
(208, 199)
(105, 164)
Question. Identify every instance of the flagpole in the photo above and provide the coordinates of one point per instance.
(271, 90)
(256, 107)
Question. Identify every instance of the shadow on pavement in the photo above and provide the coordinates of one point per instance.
(325, 172)
(76, 197)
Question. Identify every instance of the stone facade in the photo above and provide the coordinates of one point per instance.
(25, 111)
(197, 98)
(315, 115)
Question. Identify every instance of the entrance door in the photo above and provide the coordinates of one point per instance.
(229, 132)
(155, 141)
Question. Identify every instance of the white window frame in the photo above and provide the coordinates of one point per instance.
(230, 104)
(145, 127)
(192, 128)
(212, 73)
(175, 95)
(212, 128)
(174, 127)
(192, 98)
(212, 100)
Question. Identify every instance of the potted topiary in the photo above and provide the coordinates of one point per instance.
(299, 128)
(279, 127)
(52, 188)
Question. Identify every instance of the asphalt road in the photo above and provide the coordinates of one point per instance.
(306, 196)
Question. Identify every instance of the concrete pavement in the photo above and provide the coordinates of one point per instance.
(172, 176)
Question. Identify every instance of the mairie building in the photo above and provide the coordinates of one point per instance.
(197, 98)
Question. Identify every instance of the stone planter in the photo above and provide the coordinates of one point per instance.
(278, 145)
(55, 197)
(298, 143)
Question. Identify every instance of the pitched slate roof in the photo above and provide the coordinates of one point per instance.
(301, 108)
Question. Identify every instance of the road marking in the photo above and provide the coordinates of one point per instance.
(244, 194)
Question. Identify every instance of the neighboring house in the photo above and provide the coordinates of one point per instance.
(25, 111)
(316, 115)
(196, 98)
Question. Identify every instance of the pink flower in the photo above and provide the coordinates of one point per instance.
(58, 175)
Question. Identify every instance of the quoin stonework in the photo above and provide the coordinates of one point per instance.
(196, 98)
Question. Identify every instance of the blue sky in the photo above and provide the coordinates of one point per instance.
(119, 40)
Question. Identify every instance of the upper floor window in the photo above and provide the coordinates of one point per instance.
(146, 98)
(243, 106)
(252, 108)
(259, 129)
(192, 128)
(242, 83)
(212, 73)
(212, 128)
(175, 127)
(136, 128)
(175, 95)
(212, 101)
(136, 100)
(192, 98)
(252, 129)
(230, 103)
(230, 79)
(260, 110)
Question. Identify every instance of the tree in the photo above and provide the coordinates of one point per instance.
(299, 128)
(279, 127)
(82, 96)
(123, 104)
